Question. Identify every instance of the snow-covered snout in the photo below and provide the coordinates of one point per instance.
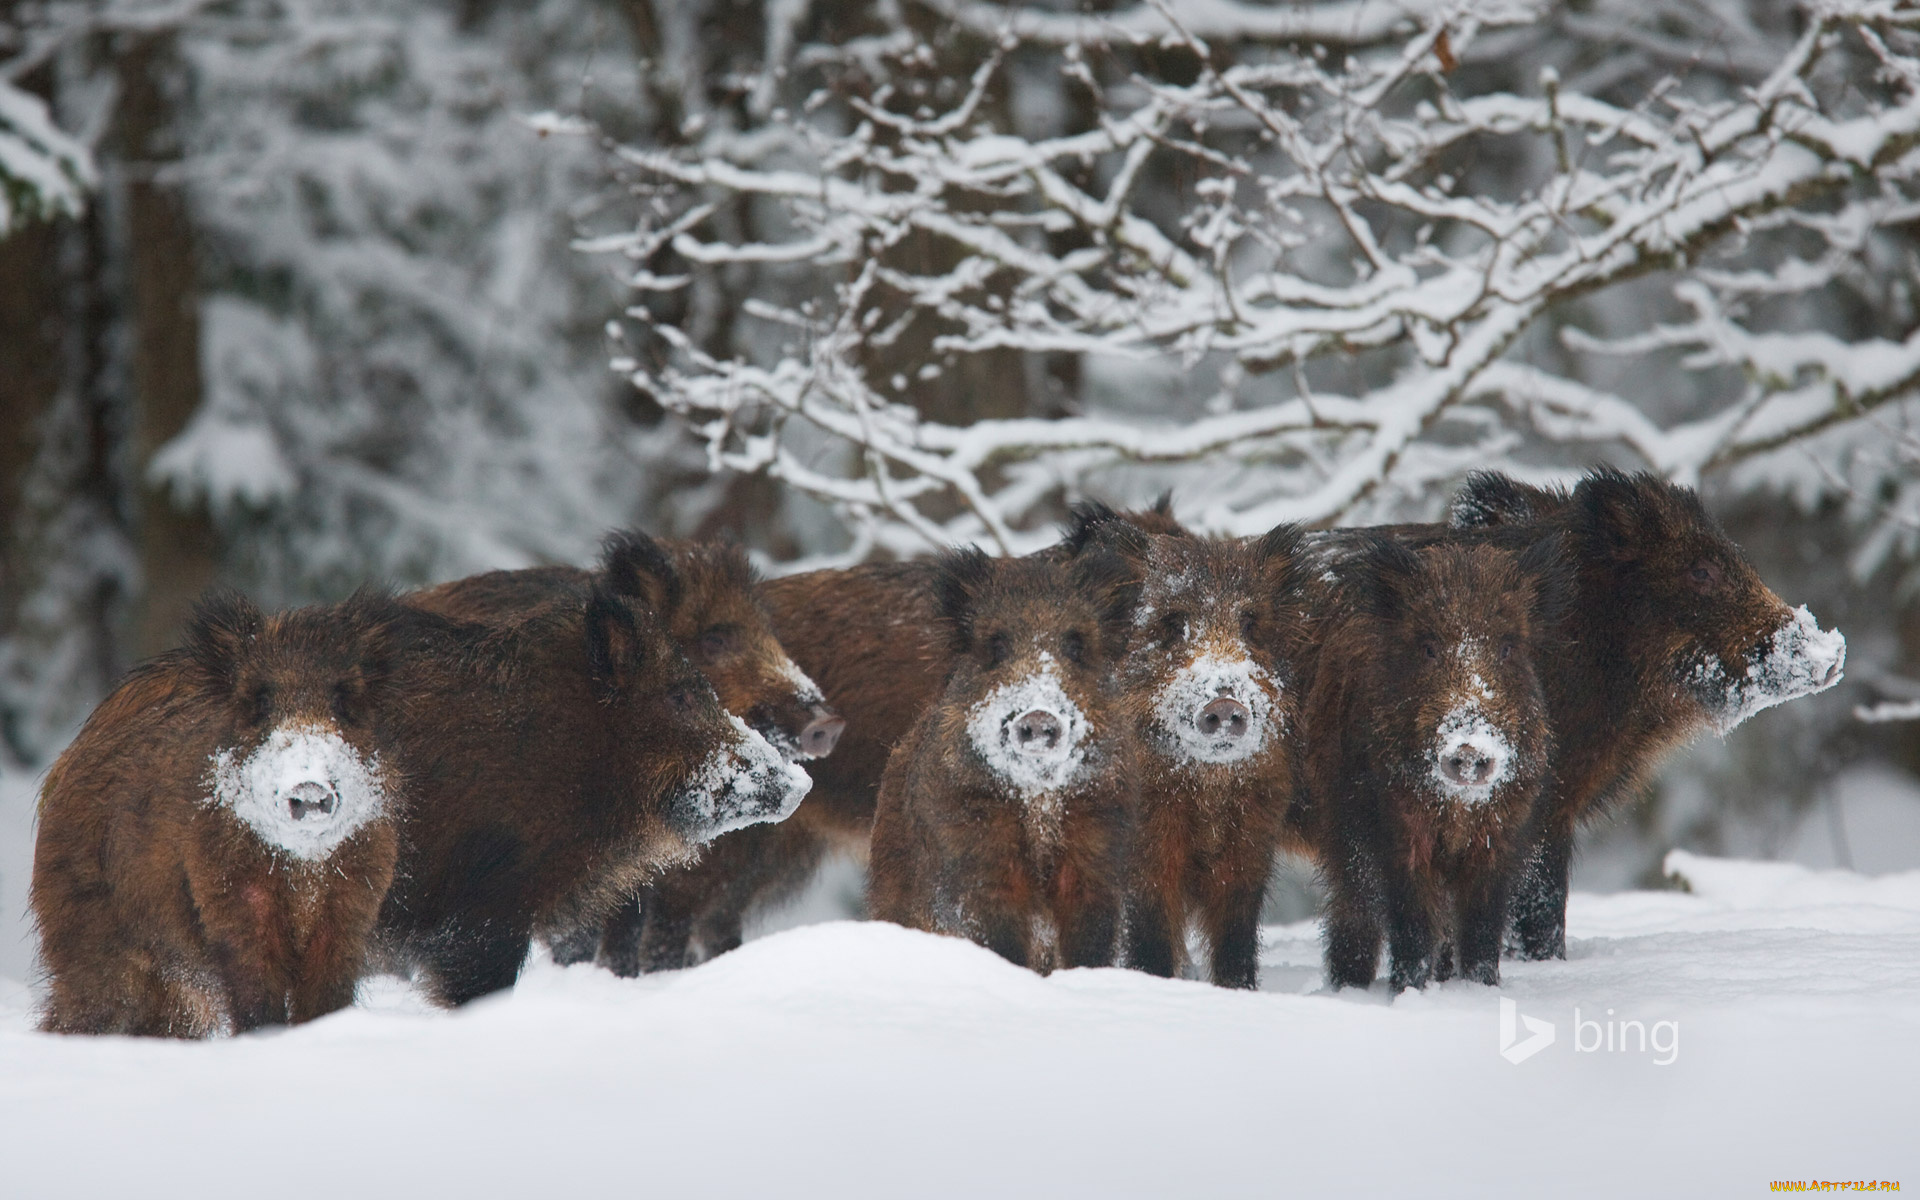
(1028, 730)
(1796, 658)
(302, 790)
(746, 781)
(1217, 708)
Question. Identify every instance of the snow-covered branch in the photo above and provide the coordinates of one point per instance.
(1351, 303)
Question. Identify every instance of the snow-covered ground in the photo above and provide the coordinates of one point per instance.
(848, 1059)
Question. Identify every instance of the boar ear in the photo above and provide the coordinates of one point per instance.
(1489, 498)
(1621, 515)
(1086, 521)
(959, 575)
(381, 624)
(222, 625)
(1278, 553)
(1112, 581)
(635, 565)
(1382, 577)
(615, 650)
(1163, 507)
(1546, 563)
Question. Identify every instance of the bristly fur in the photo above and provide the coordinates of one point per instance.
(1382, 571)
(1114, 580)
(614, 643)
(1091, 520)
(959, 576)
(222, 624)
(1489, 498)
(633, 564)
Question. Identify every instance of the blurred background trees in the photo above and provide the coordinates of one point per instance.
(295, 293)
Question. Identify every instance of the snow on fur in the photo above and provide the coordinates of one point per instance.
(990, 726)
(302, 791)
(1468, 724)
(1802, 659)
(1207, 677)
(728, 791)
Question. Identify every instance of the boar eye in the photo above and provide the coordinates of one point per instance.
(1249, 621)
(260, 703)
(344, 706)
(715, 642)
(1430, 648)
(681, 699)
(1704, 574)
(1074, 646)
(1506, 650)
(1173, 627)
(997, 649)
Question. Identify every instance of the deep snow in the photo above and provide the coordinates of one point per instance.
(850, 1059)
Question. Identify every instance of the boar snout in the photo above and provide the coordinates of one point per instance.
(1038, 731)
(311, 799)
(822, 733)
(1223, 717)
(1468, 764)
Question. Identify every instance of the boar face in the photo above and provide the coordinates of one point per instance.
(298, 762)
(1212, 640)
(706, 594)
(1693, 603)
(706, 771)
(1459, 629)
(1034, 642)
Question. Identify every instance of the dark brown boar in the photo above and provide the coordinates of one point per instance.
(1671, 633)
(1211, 669)
(553, 766)
(215, 844)
(1007, 806)
(871, 636)
(1427, 743)
(706, 593)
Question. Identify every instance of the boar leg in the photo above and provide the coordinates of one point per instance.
(1481, 908)
(1087, 916)
(1539, 907)
(620, 936)
(663, 942)
(1151, 921)
(1233, 921)
(1410, 933)
(477, 959)
(580, 943)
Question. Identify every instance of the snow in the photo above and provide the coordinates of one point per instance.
(1036, 770)
(1801, 660)
(850, 1060)
(1468, 725)
(732, 789)
(1207, 676)
(341, 789)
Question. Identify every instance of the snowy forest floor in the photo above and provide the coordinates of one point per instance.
(856, 1059)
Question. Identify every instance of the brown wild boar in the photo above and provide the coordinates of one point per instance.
(705, 592)
(215, 844)
(1211, 668)
(1005, 811)
(553, 766)
(1670, 633)
(1427, 743)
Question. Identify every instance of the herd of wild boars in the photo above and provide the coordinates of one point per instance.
(1088, 756)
